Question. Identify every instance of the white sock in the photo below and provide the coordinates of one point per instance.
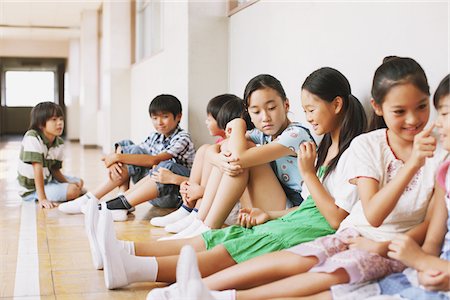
(128, 246)
(91, 217)
(170, 218)
(202, 228)
(184, 233)
(224, 295)
(121, 268)
(181, 224)
(74, 206)
(189, 279)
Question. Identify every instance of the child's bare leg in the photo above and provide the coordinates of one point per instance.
(263, 188)
(144, 190)
(73, 191)
(167, 248)
(305, 284)
(210, 192)
(209, 262)
(260, 270)
(111, 184)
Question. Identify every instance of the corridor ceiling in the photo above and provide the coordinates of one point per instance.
(42, 19)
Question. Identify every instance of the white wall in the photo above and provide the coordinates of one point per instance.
(165, 72)
(208, 62)
(290, 40)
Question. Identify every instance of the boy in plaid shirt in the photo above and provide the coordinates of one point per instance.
(160, 164)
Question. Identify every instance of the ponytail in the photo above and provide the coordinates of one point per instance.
(354, 123)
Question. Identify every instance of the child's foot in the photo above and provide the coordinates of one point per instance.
(121, 268)
(189, 281)
(173, 217)
(74, 206)
(187, 232)
(90, 225)
(119, 208)
(181, 224)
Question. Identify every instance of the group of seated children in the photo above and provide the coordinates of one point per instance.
(363, 214)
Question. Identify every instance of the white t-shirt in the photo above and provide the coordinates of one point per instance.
(373, 157)
(345, 194)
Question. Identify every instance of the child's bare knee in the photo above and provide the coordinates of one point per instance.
(73, 191)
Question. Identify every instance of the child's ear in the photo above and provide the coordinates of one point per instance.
(376, 107)
(178, 117)
(338, 103)
(286, 104)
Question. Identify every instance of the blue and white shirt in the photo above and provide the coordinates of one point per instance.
(179, 144)
(286, 166)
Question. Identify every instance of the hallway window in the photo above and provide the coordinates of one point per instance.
(28, 88)
(148, 28)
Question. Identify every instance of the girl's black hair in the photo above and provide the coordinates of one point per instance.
(442, 91)
(42, 112)
(232, 109)
(393, 72)
(165, 103)
(328, 83)
(261, 82)
(216, 103)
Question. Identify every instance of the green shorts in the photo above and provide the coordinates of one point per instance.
(299, 226)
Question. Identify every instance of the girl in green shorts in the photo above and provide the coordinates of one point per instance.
(332, 112)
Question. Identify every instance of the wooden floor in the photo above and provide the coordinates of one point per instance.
(44, 254)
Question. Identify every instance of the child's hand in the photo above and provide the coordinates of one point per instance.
(434, 280)
(110, 159)
(306, 157)
(115, 171)
(191, 191)
(229, 164)
(423, 147)
(249, 217)
(162, 175)
(366, 244)
(406, 250)
(44, 203)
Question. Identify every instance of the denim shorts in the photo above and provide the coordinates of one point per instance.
(54, 190)
(136, 173)
(169, 194)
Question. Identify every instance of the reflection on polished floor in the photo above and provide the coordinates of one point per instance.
(44, 254)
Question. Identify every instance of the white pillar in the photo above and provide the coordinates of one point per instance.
(73, 104)
(115, 73)
(89, 92)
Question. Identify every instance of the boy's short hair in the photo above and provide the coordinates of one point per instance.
(442, 91)
(165, 103)
(42, 112)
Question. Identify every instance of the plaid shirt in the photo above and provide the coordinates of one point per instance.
(178, 144)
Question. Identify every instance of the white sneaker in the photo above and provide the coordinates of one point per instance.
(74, 206)
(181, 224)
(170, 218)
